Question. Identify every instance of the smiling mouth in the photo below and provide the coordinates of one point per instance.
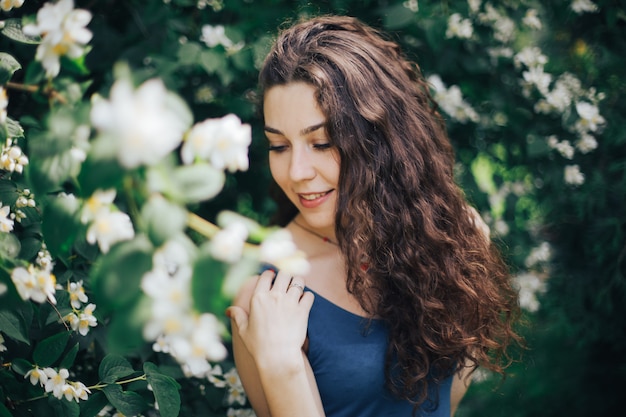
(311, 197)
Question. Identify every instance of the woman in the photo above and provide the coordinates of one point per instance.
(405, 295)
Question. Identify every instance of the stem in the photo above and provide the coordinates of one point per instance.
(126, 381)
(48, 91)
(22, 87)
(202, 226)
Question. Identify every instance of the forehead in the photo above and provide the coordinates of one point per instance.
(291, 107)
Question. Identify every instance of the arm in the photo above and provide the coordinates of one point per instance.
(460, 384)
(269, 323)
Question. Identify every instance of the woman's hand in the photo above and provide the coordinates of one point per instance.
(274, 330)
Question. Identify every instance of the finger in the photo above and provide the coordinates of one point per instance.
(238, 316)
(296, 286)
(307, 300)
(281, 283)
(264, 282)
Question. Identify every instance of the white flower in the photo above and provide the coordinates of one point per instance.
(3, 348)
(412, 5)
(279, 250)
(99, 200)
(459, 27)
(145, 124)
(77, 294)
(573, 175)
(224, 142)
(75, 391)
(12, 159)
(451, 101)
(535, 76)
(110, 227)
(6, 224)
(542, 253)
(227, 244)
(531, 19)
(216, 35)
(240, 412)
(474, 5)
(530, 56)
(564, 147)
(86, 320)
(590, 118)
(56, 381)
(34, 284)
(37, 376)
(63, 31)
(582, 6)
(216, 377)
(586, 143)
(7, 5)
(528, 286)
(236, 393)
(4, 103)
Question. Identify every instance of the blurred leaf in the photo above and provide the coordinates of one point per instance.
(155, 211)
(8, 65)
(4, 412)
(14, 129)
(207, 281)
(397, 16)
(187, 184)
(9, 246)
(166, 390)
(60, 227)
(114, 367)
(117, 275)
(50, 349)
(127, 402)
(13, 29)
(64, 408)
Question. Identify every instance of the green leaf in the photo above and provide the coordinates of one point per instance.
(13, 30)
(4, 412)
(50, 349)
(14, 129)
(70, 356)
(21, 366)
(212, 61)
(114, 367)
(188, 53)
(206, 285)
(64, 408)
(127, 402)
(9, 246)
(60, 226)
(14, 326)
(166, 390)
(94, 404)
(8, 66)
(116, 278)
(397, 16)
(155, 211)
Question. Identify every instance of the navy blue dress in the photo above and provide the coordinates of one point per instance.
(348, 360)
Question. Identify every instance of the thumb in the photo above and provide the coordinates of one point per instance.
(237, 315)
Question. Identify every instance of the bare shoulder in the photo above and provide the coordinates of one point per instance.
(243, 296)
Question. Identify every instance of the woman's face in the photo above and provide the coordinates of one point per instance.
(302, 161)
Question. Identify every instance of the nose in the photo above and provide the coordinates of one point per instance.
(302, 164)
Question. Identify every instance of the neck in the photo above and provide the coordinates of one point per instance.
(314, 233)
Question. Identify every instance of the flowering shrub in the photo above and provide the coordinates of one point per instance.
(126, 125)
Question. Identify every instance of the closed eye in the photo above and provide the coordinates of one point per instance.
(322, 146)
(277, 148)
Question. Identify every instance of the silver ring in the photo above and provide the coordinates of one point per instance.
(297, 285)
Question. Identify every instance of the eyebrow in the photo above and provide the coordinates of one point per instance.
(304, 131)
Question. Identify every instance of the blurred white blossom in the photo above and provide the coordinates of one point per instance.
(536, 77)
(279, 250)
(564, 147)
(146, 124)
(451, 101)
(531, 19)
(530, 56)
(100, 200)
(223, 142)
(590, 118)
(586, 143)
(529, 286)
(502, 25)
(34, 284)
(7, 5)
(412, 5)
(227, 244)
(573, 175)
(3, 348)
(539, 254)
(108, 228)
(213, 36)
(459, 27)
(64, 33)
(583, 6)
(474, 5)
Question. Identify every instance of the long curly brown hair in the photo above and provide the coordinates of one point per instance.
(432, 275)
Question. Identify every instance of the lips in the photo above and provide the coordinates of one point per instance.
(312, 200)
